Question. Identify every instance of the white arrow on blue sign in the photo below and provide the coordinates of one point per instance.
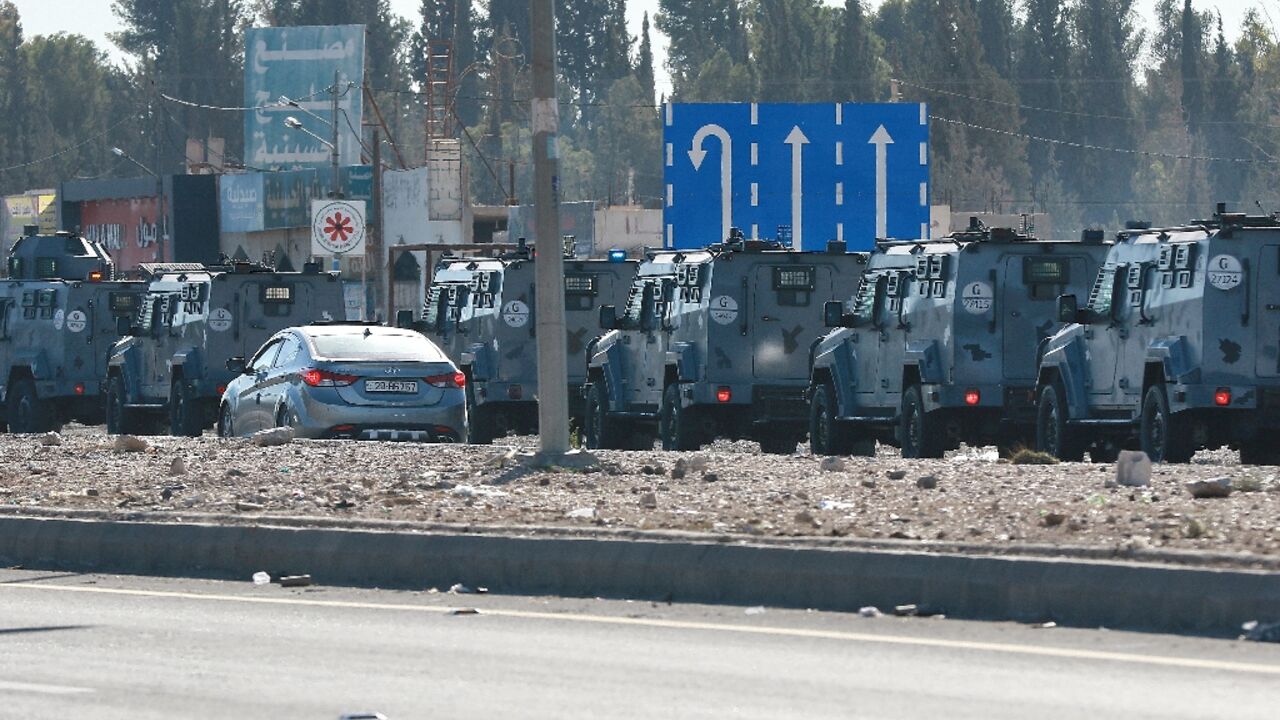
(812, 172)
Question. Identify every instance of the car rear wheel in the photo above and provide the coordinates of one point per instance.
(675, 425)
(1053, 435)
(225, 427)
(921, 437)
(1164, 437)
(480, 430)
(184, 411)
(26, 411)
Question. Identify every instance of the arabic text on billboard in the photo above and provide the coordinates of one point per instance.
(299, 63)
(241, 202)
(288, 195)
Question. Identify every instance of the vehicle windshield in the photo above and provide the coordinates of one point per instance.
(377, 347)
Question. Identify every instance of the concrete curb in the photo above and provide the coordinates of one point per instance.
(1071, 592)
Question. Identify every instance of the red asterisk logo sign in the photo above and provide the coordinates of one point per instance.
(338, 228)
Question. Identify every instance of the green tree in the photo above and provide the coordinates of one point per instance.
(644, 63)
(995, 23)
(1042, 71)
(13, 99)
(697, 30)
(858, 71)
(795, 47)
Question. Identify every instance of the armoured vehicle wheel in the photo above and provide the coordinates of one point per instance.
(920, 436)
(224, 427)
(184, 412)
(674, 425)
(828, 436)
(480, 429)
(120, 419)
(27, 413)
(1163, 437)
(1053, 434)
(601, 431)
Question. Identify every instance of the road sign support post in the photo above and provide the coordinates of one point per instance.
(553, 393)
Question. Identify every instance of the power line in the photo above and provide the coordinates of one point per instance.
(269, 106)
(67, 149)
(1087, 146)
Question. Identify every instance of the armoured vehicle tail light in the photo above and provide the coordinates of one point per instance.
(515, 392)
(972, 397)
(325, 378)
(79, 388)
(447, 381)
(95, 276)
(723, 394)
(1222, 397)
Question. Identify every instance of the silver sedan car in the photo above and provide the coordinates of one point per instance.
(336, 381)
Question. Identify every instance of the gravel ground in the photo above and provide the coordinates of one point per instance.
(970, 498)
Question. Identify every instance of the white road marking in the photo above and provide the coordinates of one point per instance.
(1002, 648)
(8, 685)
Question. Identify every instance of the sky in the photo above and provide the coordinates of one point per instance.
(94, 19)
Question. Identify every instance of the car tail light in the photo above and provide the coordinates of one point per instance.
(79, 388)
(326, 378)
(1222, 397)
(448, 380)
(724, 394)
(221, 389)
(972, 397)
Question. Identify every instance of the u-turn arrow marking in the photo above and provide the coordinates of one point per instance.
(697, 155)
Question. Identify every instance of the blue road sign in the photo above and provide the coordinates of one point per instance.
(853, 172)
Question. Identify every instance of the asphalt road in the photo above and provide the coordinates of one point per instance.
(78, 646)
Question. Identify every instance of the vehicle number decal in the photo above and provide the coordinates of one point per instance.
(220, 320)
(977, 298)
(724, 309)
(76, 321)
(515, 314)
(1225, 272)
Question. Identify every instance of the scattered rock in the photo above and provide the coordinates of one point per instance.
(832, 464)
(653, 470)
(757, 610)
(649, 501)
(178, 467)
(896, 474)
(51, 439)
(698, 463)
(92, 492)
(1133, 469)
(232, 472)
(464, 611)
(710, 477)
(1054, 519)
(129, 443)
(804, 517)
(869, 483)
(680, 469)
(927, 482)
(295, 581)
(906, 610)
(1212, 488)
(870, 611)
(1193, 529)
(246, 506)
(261, 578)
(583, 513)
(272, 437)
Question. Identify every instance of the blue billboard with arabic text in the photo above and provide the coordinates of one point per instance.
(296, 65)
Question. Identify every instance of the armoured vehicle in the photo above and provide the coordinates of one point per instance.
(713, 344)
(58, 310)
(1176, 347)
(171, 368)
(480, 311)
(940, 342)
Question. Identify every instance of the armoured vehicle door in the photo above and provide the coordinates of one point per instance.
(868, 308)
(786, 305)
(1265, 282)
(1027, 306)
(635, 318)
(1107, 343)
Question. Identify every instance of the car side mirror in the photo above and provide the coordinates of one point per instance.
(608, 317)
(404, 319)
(833, 314)
(237, 365)
(1068, 309)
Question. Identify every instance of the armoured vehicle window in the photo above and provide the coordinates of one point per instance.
(931, 275)
(690, 280)
(277, 300)
(483, 289)
(5, 305)
(867, 302)
(637, 299)
(1044, 277)
(123, 304)
(580, 292)
(1176, 264)
(1102, 296)
(46, 267)
(794, 285)
(15, 266)
(432, 306)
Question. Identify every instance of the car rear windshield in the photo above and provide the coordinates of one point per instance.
(377, 347)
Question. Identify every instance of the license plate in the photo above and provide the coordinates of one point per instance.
(391, 386)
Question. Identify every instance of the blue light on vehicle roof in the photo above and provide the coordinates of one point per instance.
(617, 255)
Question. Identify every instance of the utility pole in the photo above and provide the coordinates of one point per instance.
(553, 373)
(333, 148)
(373, 245)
